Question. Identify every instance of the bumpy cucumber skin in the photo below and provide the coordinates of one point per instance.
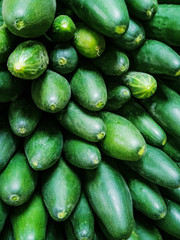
(172, 148)
(4, 210)
(61, 190)
(81, 122)
(123, 140)
(18, 181)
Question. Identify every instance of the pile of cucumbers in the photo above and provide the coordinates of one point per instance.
(89, 119)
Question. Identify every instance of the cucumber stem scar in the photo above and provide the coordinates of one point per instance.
(61, 214)
(100, 135)
(141, 151)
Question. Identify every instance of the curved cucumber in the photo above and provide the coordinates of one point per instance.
(4, 210)
(172, 148)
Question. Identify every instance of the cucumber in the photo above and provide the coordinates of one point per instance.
(29, 60)
(155, 57)
(172, 148)
(164, 26)
(28, 19)
(81, 153)
(171, 222)
(30, 219)
(51, 92)
(112, 62)
(98, 15)
(81, 122)
(172, 194)
(63, 58)
(143, 10)
(23, 116)
(109, 195)
(151, 131)
(18, 181)
(88, 43)
(123, 140)
(54, 231)
(61, 190)
(142, 85)
(162, 170)
(43, 147)
(132, 38)
(88, 88)
(4, 210)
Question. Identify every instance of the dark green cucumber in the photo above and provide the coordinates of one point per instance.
(81, 122)
(29, 60)
(4, 210)
(88, 88)
(43, 147)
(51, 92)
(151, 131)
(98, 15)
(63, 58)
(112, 62)
(157, 167)
(17, 181)
(171, 222)
(123, 140)
(54, 230)
(172, 148)
(164, 108)
(30, 219)
(155, 57)
(117, 96)
(82, 220)
(110, 198)
(28, 19)
(164, 26)
(62, 29)
(81, 153)
(143, 10)
(7, 233)
(132, 38)
(88, 43)
(23, 116)
(173, 194)
(61, 190)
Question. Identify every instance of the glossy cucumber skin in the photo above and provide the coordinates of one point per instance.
(28, 19)
(88, 88)
(61, 190)
(23, 116)
(81, 153)
(44, 146)
(151, 131)
(51, 92)
(4, 210)
(155, 57)
(98, 14)
(162, 170)
(81, 122)
(109, 195)
(29, 220)
(18, 181)
(123, 140)
(172, 148)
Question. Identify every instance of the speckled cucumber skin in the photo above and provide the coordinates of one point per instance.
(61, 190)
(4, 210)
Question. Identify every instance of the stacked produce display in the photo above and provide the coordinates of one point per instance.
(89, 119)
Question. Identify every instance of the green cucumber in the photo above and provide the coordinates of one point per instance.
(164, 25)
(63, 58)
(172, 194)
(123, 140)
(30, 219)
(172, 148)
(81, 153)
(98, 15)
(112, 62)
(151, 131)
(143, 10)
(88, 43)
(81, 122)
(155, 57)
(28, 19)
(61, 190)
(88, 88)
(110, 199)
(171, 222)
(23, 116)
(43, 147)
(158, 168)
(51, 92)
(18, 181)
(29, 60)
(132, 38)
(4, 210)
(54, 230)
